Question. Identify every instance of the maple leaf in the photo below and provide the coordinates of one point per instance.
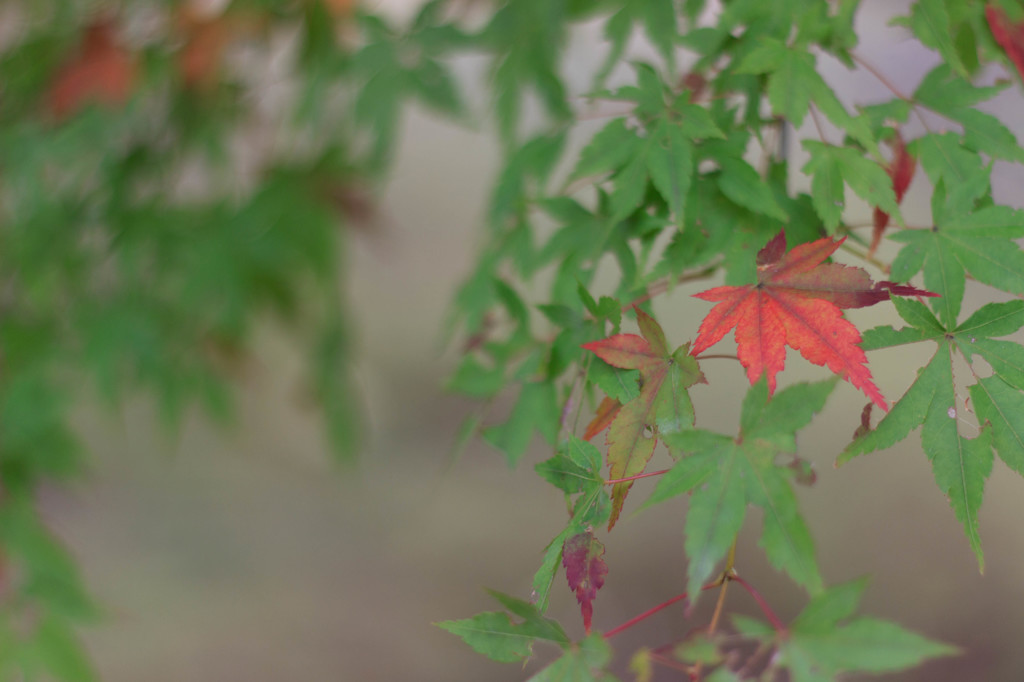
(605, 415)
(585, 569)
(796, 302)
(901, 171)
(662, 406)
(1009, 35)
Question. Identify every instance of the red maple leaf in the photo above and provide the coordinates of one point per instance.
(796, 302)
(1009, 35)
(901, 172)
(585, 569)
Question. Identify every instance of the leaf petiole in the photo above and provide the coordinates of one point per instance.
(779, 626)
(653, 610)
(612, 481)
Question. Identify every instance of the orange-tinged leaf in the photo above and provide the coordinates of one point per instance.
(653, 333)
(606, 412)
(631, 441)
(625, 351)
(796, 302)
(1009, 35)
(901, 172)
(634, 427)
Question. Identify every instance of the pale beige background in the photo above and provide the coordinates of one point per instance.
(248, 556)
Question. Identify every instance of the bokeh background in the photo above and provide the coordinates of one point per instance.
(248, 554)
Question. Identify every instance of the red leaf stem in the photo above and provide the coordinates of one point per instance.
(776, 623)
(611, 481)
(651, 611)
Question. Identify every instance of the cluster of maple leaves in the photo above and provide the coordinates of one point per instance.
(797, 301)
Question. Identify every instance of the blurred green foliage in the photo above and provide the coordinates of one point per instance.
(170, 179)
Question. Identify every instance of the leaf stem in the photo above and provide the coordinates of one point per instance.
(870, 68)
(817, 123)
(651, 611)
(727, 575)
(627, 479)
(772, 618)
(867, 66)
(674, 665)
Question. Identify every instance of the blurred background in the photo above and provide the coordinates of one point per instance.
(239, 548)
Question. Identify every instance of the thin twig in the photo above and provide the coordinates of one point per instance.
(867, 258)
(665, 283)
(870, 68)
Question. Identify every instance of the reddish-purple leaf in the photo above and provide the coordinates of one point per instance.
(585, 569)
(901, 172)
(1009, 35)
(796, 302)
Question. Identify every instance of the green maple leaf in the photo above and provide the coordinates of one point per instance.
(661, 152)
(662, 406)
(582, 662)
(725, 474)
(833, 166)
(507, 636)
(575, 470)
(526, 38)
(961, 465)
(930, 22)
(826, 639)
(794, 84)
(979, 243)
(659, 21)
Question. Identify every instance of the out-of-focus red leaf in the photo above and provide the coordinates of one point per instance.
(901, 172)
(606, 412)
(102, 72)
(796, 302)
(1009, 35)
(585, 569)
(206, 38)
(341, 9)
